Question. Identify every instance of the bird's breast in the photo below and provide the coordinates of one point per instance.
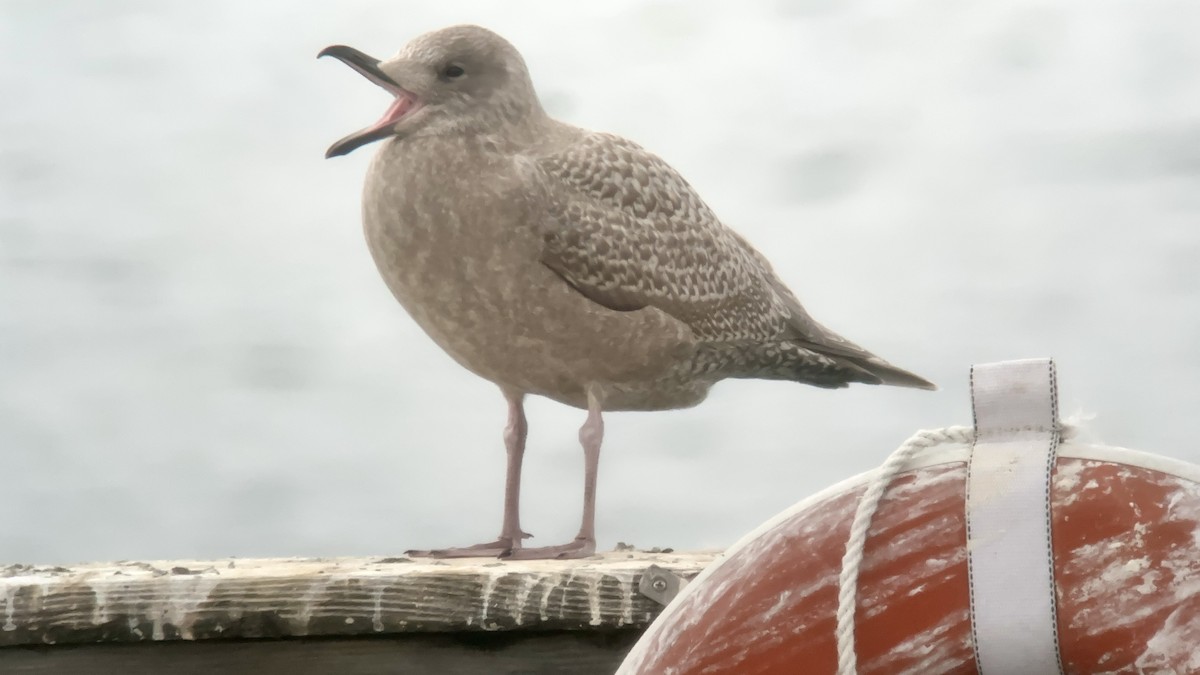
(443, 225)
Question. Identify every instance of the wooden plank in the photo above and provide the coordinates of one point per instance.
(273, 598)
(499, 653)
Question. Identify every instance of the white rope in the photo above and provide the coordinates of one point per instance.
(867, 506)
(852, 560)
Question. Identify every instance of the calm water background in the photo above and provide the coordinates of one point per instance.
(198, 359)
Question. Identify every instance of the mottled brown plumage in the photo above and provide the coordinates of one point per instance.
(628, 232)
(566, 263)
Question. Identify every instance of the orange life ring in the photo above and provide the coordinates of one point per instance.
(1126, 543)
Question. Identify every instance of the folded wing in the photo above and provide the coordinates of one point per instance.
(627, 231)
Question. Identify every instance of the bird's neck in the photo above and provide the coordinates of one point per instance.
(499, 133)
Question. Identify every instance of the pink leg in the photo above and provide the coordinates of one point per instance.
(510, 531)
(515, 434)
(591, 434)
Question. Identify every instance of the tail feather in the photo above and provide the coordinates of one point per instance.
(891, 375)
(820, 339)
(798, 362)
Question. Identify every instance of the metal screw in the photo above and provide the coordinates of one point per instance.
(659, 584)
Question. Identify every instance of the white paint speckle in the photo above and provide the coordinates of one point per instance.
(10, 609)
(377, 609)
(186, 594)
(1149, 583)
(544, 605)
(627, 592)
(594, 600)
(784, 600)
(1175, 643)
(521, 598)
(489, 587)
(100, 608)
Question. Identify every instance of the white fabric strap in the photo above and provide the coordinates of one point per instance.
(1010, 561)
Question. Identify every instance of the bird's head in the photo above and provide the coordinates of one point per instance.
(462, 79)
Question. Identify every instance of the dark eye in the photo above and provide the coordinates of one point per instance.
(453, 71)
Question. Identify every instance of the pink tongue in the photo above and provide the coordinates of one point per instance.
(395, 111)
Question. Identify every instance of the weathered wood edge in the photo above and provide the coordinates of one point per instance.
(277, 598)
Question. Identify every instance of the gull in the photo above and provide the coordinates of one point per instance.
(565, 263)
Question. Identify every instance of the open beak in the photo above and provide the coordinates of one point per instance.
(368, 66)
